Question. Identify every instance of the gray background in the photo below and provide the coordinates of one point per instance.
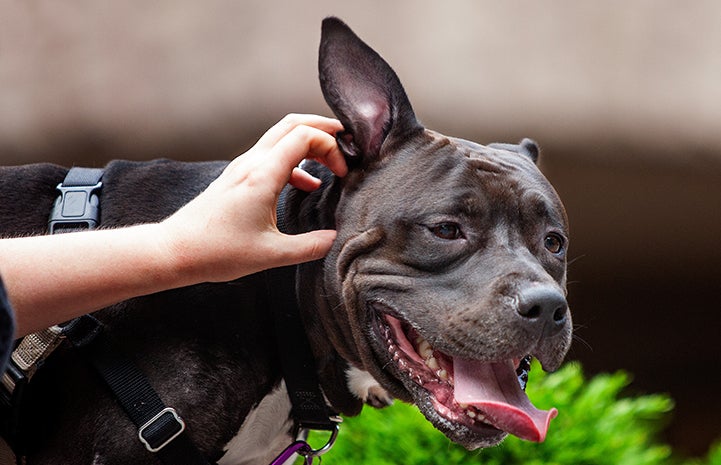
(623, 96)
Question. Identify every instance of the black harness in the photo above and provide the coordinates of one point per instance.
(160, 428)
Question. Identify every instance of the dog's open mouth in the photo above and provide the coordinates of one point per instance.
(482, 396)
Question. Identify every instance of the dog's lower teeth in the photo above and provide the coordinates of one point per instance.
(472, 413)
(425, 349)
(432, 363)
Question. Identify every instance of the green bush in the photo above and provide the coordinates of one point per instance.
(595, 425)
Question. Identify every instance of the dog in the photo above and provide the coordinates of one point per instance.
(448, 272)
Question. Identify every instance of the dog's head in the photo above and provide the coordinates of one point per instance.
(450, 258)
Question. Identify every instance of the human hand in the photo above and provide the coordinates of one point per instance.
(230, 229)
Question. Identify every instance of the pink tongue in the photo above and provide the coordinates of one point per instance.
(493, 389)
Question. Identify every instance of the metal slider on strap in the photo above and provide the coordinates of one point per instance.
(160, 430)
(77, 207)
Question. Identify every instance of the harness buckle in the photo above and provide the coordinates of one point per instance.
(160, 430)
(77, 207)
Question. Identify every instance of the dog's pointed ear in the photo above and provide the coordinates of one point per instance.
(527, 147)
(364, 93)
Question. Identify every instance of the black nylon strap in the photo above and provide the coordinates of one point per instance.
(297, 363)
(309, 408)
(160, 428)
(78, 176)
(131, 388)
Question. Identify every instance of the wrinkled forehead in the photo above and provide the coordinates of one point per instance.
(513, 176)
(452, 175)
(496, 161)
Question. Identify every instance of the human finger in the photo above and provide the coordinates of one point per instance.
(306, 142)
(293, 120)
(305, 247)
(303, 180)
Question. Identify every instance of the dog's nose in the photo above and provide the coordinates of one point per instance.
(544, 306)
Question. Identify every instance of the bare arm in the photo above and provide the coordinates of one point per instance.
(51, 279)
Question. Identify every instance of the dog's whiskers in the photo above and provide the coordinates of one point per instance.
(578, 338)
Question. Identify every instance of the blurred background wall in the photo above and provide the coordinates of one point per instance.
(623, 96)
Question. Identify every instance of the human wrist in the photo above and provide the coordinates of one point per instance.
(173, 255)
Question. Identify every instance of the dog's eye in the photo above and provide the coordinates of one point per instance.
(554, 243)
(448, 231)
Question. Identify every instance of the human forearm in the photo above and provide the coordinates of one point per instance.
(52, 279)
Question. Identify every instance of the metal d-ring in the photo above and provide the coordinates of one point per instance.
(303, 433)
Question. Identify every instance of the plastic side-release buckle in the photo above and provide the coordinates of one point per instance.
(77, 207)
(160, 430)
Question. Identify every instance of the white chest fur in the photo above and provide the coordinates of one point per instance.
(264, 433)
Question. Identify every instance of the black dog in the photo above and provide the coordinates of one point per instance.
(448, 270)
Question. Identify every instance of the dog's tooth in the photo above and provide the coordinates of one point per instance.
(443, 374)
(425, 349)
(391, 348)
(396, 356)
(432, 363)
(471, 413)
(463, 406)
